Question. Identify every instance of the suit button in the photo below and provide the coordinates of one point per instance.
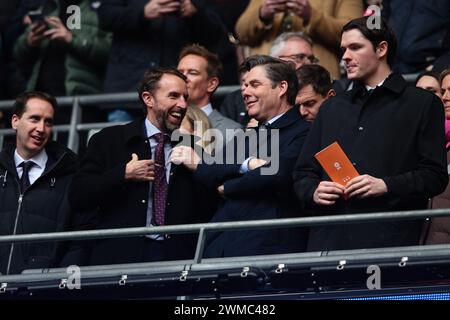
(168, 204)
(361, 128)
(143, 201)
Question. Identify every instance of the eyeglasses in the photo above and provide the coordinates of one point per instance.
(301, 58)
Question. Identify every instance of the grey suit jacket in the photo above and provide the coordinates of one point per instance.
(221, 123)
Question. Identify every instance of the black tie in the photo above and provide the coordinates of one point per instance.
(366, 95)
(25, 179)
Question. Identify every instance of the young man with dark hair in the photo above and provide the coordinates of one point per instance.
(127, 175)
(392, 133)
(35, 174)
(314, 88)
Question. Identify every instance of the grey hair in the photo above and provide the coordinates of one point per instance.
(284, 37)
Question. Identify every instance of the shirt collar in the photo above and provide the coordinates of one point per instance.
(39, 159)
(378, 85)
(150, 128)
(207, 109)
(394, 82)
(274, 118)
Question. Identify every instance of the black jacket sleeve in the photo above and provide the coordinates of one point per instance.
(307, 171)
(255, 183)
(93, 183)
(430, 176)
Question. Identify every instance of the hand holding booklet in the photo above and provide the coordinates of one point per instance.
(336, 164)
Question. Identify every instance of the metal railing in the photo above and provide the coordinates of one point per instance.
(156, 271)
(77, 103)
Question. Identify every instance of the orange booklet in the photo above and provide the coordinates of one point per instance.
(336, 164)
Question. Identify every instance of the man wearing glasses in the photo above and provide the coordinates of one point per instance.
(295, 47)
(264, 20)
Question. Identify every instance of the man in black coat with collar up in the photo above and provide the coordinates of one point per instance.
(392, 133)
(255, 180)
(35, 175)
(126, 174)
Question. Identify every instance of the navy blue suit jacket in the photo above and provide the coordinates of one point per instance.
(255, 195)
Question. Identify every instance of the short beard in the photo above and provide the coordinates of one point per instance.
(163, 119)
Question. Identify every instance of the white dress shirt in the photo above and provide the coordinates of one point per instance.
(208, 109)
(368, 88)
(36, 171)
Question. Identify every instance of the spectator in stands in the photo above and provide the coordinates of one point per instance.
(127, 176)
(65, 52)
(314, 88)
(264, 20)
(391, 132)
(202, 69)
(445, 91)
(439, 228)
(427, 46)
(149, 34)
(35, 174)
(230, 52)
(11, 81)
(429, 80)
(294, 47)
(249, 190)
(7, 9)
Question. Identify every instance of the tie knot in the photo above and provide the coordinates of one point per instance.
(27, 165)
(161, 138)
(367, 92)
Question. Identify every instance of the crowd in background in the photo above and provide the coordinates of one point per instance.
(117, 40)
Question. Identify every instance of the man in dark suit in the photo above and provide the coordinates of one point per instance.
(35, 174)
(392, 133)
(127, 176)
(256, 180)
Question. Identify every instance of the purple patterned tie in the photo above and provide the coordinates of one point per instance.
(160, 182)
